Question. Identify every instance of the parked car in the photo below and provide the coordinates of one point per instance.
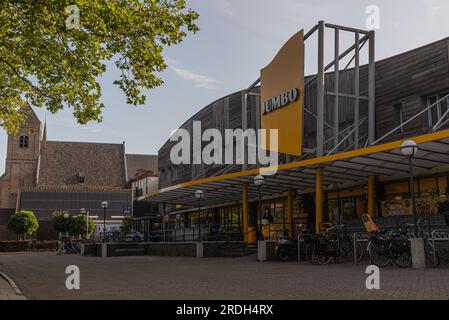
(134, 236)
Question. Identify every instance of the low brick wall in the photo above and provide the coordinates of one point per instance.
(185, 249)
(223, 249)
(270, 254)
(28, 245)
(125, 249)
(173, 249)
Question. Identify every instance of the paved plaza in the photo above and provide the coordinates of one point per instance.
(42, 276)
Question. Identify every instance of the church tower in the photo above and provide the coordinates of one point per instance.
(21, 160)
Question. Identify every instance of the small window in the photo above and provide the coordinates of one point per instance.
(398, 116)
(81, 178)
(162, 173)
(175, 173)
(437, 113)
(23, 142)
(169, 176)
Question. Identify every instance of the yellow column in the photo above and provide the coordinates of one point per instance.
(245, 210)
(371, 195)
(290, 209)
(318, 198)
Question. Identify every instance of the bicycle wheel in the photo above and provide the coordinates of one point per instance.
(283, 253)
(377, 254)
(431, 255)
(309, 251)
(319, 256)
(403, 259)
(347, 251)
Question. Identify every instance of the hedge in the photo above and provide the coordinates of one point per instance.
(28, 245)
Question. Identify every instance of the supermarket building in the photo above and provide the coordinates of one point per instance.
(339, 143)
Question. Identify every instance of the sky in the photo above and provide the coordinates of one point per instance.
(237, 39)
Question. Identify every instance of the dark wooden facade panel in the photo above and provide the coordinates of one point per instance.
(405, 79)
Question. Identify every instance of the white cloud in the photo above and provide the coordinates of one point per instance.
(64, 119)
(199, 80)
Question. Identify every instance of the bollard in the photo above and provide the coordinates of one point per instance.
(104, 250)
(199, 250)
(261, 250)
(418, 255)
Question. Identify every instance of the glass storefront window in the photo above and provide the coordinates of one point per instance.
(428, 193)
(349, 207)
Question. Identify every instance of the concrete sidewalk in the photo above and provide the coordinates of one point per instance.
(8, 289)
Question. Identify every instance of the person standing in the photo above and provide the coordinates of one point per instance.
(443, 208)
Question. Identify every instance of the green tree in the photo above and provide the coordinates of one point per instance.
(77, 225)
(127, 224)
(60, 223)
(23, 223)
(53, 52)
(74, 225)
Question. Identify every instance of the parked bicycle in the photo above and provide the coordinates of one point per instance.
(392, 246)
(432, 257)
(287, 247)
(335, 243)
(69, 247)
(388, 247)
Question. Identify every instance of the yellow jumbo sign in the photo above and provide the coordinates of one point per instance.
(282, 83)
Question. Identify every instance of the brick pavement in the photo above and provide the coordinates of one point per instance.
(7, 292)
(42, 276)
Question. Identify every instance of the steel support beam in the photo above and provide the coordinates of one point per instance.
(244, 127)
(320, 92)
(371, 196)
(290, 210)
(319, 199)
(349, 29)
(245, 211)
(331, 64)
(371, 90)
(336, 85)
(356, 91)
(310, 32)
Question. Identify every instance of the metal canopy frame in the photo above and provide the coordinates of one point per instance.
(441, 121)
(344, 169)
(341, 168)
(361, 37)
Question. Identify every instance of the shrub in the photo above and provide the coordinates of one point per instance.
(28, 245)
(23, 223)
(127, 224)
(77, 225)
(73, 225)
(60, 223)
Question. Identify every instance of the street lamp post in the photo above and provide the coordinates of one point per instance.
(104, 205)
(199, 195)
(66, 223)
(86, 212)
(409, 148)
(259, 180)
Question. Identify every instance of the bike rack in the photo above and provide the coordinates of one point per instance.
(435, 235)
(438, 235)
(359, 237)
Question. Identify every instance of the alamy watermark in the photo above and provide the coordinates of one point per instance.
(234, 148)
(73, 20)
(373, 280)
(72, 282)
(372, 22)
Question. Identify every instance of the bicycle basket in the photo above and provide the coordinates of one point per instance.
(369, 224)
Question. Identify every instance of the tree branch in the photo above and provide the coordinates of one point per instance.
(24, 79)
